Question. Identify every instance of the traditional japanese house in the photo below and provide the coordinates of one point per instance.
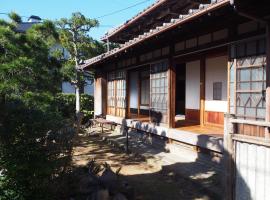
(183, 64)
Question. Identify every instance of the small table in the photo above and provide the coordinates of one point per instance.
(102, 121)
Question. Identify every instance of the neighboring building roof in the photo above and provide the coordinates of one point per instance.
(34, 17)
(203, 9)
(24, 26)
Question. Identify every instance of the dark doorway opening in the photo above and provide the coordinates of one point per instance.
(180, 90)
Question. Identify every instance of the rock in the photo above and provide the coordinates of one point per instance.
(108, 176)
(87, 184)
(102, 194)
(119, 196)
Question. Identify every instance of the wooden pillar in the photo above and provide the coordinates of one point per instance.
(228, 156)
(172, 92)
(127, 109)
(202, 90)
(267, 93)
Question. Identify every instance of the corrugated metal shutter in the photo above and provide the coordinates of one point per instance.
(252, 171)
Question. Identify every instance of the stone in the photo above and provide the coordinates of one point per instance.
(119, 196)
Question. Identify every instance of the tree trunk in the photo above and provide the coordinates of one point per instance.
(79, 115)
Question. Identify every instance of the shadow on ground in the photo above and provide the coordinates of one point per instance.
(148, 176)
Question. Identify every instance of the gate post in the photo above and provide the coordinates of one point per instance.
(228, 157)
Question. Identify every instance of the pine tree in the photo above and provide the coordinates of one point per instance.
(74, 37)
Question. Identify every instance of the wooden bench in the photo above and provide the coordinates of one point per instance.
(102, 121)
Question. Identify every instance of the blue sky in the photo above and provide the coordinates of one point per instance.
(56, 9)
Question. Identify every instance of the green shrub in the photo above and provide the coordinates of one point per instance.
(66, 104)
(34, 150)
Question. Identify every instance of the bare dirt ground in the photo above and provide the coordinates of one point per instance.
(148, 178)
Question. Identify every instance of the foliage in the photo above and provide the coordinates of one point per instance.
(33, 149)
(15, 17)
(66, 104)
(35, 138)
(24, 63)
(74, 36)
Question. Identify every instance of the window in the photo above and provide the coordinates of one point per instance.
(248, 79)
(217, 91)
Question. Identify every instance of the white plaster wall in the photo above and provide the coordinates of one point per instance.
(133, 89)
(193, 85)
(216, 71)
(98, 97)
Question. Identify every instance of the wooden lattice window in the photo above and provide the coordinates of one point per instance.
(159, 92)
(116, 89)
(248, 80)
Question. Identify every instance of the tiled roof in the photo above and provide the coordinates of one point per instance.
(202, 9)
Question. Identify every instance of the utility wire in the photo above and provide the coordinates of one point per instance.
(102, 25)
(123, 9)
(102, 16)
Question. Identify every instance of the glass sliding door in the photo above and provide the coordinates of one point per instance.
(116, 90)
(139, 93)
(159, 93)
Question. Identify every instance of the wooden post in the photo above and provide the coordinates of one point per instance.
(267, 93)
(202, 90)
(172, 91)
(126, 129)
(102, 131)
(228, 156)
(104, 94)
